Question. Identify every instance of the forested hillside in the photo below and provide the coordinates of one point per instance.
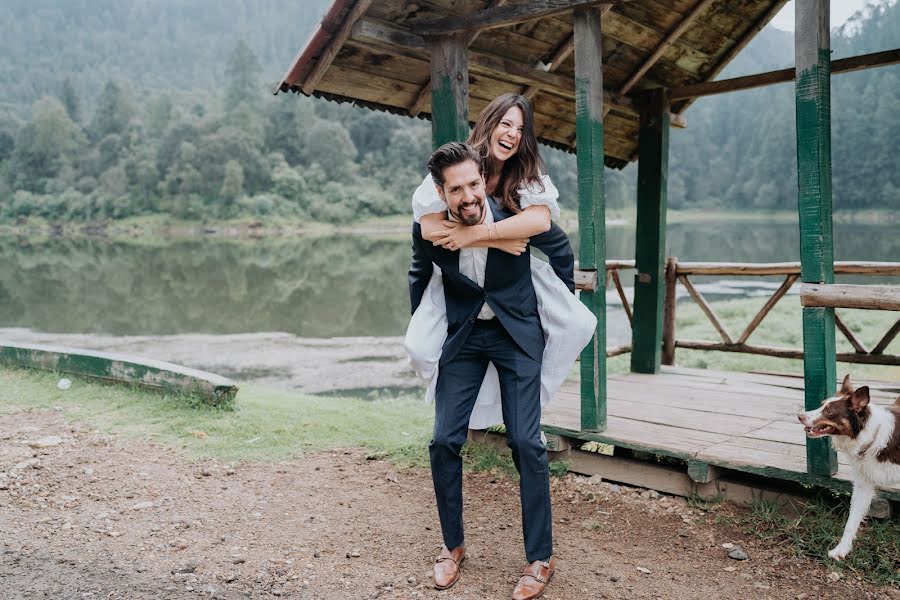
(119, 108)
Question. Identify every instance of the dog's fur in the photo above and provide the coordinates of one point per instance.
(870, 437)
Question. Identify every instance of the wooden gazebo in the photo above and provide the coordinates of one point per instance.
(608, 79)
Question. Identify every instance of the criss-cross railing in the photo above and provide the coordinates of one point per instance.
(681, 272)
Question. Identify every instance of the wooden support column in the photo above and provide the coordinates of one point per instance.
(591, 206)
(813, 106)
(650, 248)
(449, 88)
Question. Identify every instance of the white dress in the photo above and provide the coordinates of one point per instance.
(568, 325)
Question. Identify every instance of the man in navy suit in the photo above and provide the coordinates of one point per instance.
(492, 317)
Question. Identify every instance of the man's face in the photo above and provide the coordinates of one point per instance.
(463, 191)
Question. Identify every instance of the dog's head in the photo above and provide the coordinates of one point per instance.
(845, 413)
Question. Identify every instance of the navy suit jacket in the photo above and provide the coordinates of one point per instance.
(508, 288)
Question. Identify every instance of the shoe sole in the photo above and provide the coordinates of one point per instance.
(458, 573)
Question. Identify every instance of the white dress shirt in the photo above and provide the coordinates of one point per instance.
(473, 261)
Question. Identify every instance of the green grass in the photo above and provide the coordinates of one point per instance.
(818, 528)
(263, 425)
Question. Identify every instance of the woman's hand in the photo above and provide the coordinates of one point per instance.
(456, 236)
(514, 247)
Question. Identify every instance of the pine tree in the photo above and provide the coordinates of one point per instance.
(241, 76)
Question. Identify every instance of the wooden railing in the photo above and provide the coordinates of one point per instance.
(837, 296)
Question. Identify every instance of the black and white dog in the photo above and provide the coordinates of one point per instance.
(870, 437)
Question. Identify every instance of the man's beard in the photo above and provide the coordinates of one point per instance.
(469, 219)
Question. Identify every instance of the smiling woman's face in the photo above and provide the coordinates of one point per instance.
(507, 134)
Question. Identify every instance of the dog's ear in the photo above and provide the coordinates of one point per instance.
(860, 399)
(846, 388)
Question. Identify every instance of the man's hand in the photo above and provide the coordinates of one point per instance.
(514, 247)
(455, 236)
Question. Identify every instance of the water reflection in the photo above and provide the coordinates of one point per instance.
(316, 287)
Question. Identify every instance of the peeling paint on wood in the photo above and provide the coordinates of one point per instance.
(118, 368)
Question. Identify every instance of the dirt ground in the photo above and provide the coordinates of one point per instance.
(86, 515)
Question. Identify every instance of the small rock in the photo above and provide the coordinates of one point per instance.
(803, 596)
(644, 570)
(140, 567)
(238, 560)
(654, 494)
(730, 569)
(317, 554)
(64, 384)
(728, 546)
(353, 554)
(595, 479)
(142, 505)
(738, 554)
(45, 442)
(682, 532)
(185, 569)
(614, 578)
(411, 580)
(834, 577)
(229, 577)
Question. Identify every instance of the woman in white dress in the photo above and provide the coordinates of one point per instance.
(504, 136)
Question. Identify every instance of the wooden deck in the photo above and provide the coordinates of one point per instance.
(741, 421)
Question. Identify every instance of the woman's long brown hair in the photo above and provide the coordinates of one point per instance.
(524, 167)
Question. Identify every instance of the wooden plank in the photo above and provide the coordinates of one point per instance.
(325, 60)
(650, 247)
(622, 296)
(870, 297)
(425, 93)
(785, 268)
(123, 369)
(884, 342)
(844, 65)
(553, 63)
(857, 345)
(706, 308)
(668, 351)
(664, 45)
(449, 89)
(506, 15)
(591, 206)
(813, 108)
(768, 306)
(367, 87)
(585, 281)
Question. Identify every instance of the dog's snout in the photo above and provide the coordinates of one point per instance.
(802, 418)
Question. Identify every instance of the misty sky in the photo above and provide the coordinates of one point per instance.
(841, 10)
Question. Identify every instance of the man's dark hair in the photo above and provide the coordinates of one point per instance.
(451, 153)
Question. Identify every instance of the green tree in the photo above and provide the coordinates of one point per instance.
(114, 112)
(241, 76)
(44, 145)
(70, 100)
(328, 143)
(233, 183)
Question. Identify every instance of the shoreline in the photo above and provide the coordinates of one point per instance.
(160, 226)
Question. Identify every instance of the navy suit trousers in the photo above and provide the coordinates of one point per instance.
(457, 389)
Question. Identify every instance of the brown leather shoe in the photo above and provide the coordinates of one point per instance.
(534, 580)
(446, 566)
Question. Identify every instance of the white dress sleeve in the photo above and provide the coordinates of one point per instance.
(426, 201)
(532, 195)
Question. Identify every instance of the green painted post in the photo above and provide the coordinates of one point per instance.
(449, 89)
(591, 207)
(813, 105)
(650, 247)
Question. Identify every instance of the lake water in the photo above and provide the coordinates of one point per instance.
(314, 286)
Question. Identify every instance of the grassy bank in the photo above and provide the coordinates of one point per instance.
(264, 424)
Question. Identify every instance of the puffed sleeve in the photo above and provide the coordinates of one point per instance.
(531, 194)
(426, 201)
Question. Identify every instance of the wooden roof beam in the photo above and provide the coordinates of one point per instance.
(387, 36)
(424, 95)
(561, 54)
(502, 16)
(843, 65)
(670, 39)
(334, 46)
